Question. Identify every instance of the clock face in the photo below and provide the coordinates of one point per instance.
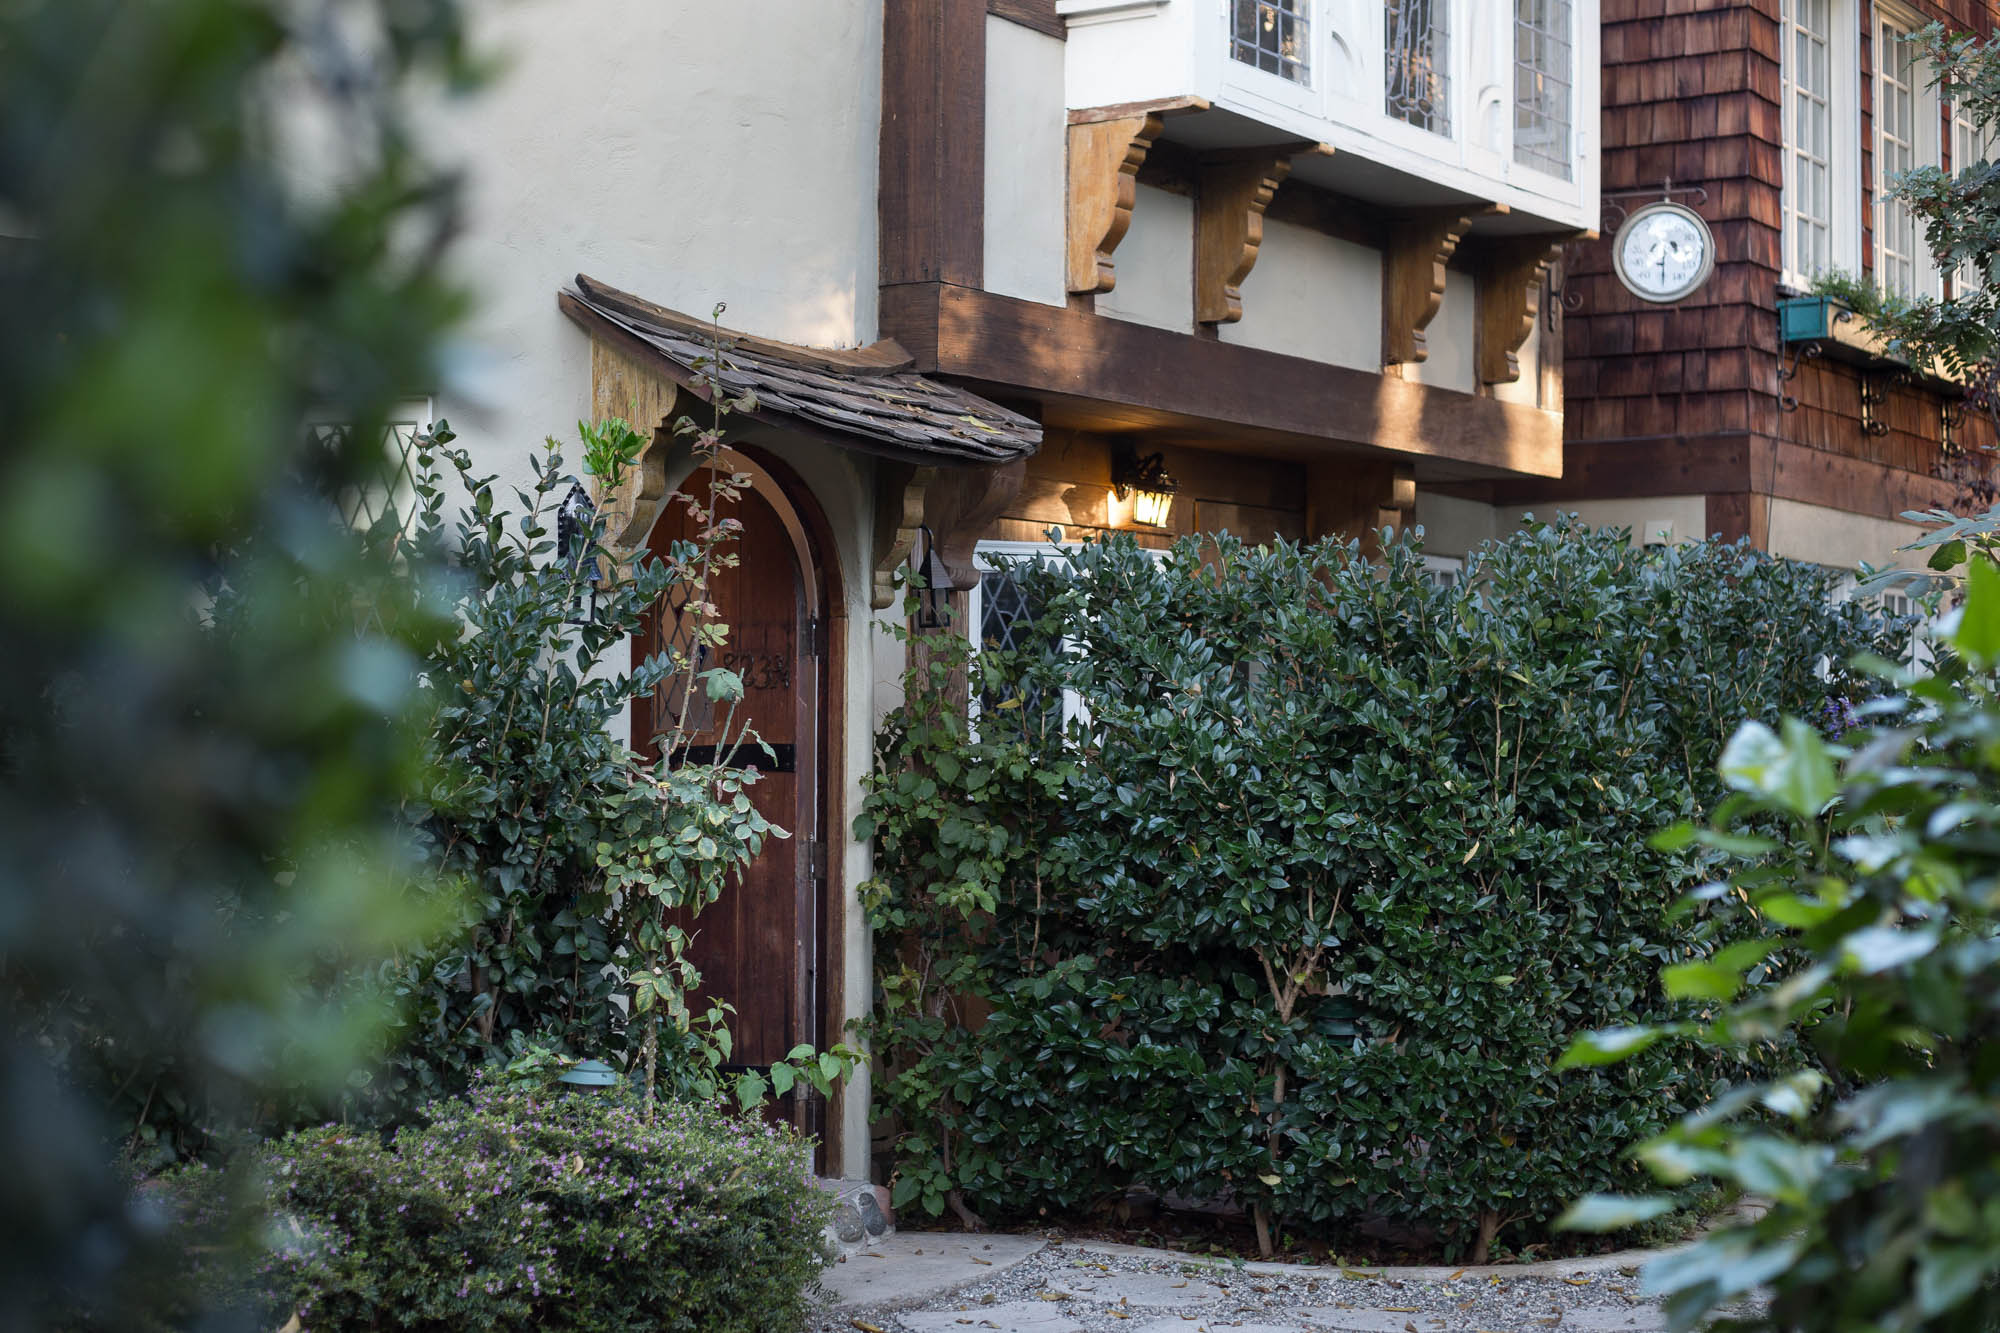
(1663, 252)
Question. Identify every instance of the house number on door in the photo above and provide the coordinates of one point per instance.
(761, 671)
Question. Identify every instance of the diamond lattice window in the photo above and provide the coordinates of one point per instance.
(383, 504)
(1417, 51)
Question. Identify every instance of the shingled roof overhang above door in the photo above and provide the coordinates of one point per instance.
(864, 398)
(949, 459)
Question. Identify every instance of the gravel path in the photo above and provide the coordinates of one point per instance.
(1064, 1289)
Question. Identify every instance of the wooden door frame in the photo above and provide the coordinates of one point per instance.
(824, 578)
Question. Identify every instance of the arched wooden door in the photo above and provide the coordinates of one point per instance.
(759, 946)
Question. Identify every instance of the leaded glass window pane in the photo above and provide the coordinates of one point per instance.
(1271, 35)
(1418, 63)
(1542, 82)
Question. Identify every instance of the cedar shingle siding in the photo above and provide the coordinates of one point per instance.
(1692, 93)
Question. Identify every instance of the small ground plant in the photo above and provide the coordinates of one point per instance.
(525, 1208)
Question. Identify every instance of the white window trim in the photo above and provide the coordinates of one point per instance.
(1843, 142)
(1926, 146)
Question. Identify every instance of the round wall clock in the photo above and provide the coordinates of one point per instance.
(1663, 252)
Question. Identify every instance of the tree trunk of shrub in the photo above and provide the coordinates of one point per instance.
(1489, 1227)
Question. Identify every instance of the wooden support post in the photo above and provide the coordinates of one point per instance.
(1104, 160)
(1413, 265)
(1230, 200)
(1353, 499)
(1511, 274)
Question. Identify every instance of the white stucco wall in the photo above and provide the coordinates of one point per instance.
(1027, 182)
(1155, 263)
(651, 147)
(1840, 539)
(1448, 339)
(1314, 296)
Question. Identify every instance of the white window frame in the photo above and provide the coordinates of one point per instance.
(1842, 95)
(1921, 149)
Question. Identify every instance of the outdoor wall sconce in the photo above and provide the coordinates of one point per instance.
(934, 602)
(576, 531)
(1147, 483)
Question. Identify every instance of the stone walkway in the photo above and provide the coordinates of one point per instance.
(918, 1283)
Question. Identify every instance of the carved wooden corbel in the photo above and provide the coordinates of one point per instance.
(1233, 193)
(899, 514)
(961, 505)
(1104, 159)
(623, 387)
(1416, 249)
(1510, 279)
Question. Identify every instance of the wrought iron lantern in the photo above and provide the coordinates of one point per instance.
(1147, 483)
(589, 1075)
(934, 602)
(576, 545)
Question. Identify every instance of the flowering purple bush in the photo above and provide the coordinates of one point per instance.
(534, 1209)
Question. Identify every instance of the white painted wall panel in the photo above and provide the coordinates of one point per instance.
(1027, 181)
(1449, 338)
(1155, 263)
(1453, 526)
(1314, 296)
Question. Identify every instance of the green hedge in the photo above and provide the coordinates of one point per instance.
(1324, 869)
(520, 1210)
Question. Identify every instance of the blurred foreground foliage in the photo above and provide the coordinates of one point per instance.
(197, 807)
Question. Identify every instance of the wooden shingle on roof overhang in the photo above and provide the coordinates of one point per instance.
(864, 398)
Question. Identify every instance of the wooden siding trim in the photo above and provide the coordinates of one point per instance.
(1204, 387)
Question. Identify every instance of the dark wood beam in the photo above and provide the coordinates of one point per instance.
(1722, 466)
(1208, 389)
(931, 195)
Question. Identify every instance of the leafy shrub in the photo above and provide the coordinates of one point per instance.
(530, 799)
(1866, 901)
(1301, 896)
(529, 1209)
